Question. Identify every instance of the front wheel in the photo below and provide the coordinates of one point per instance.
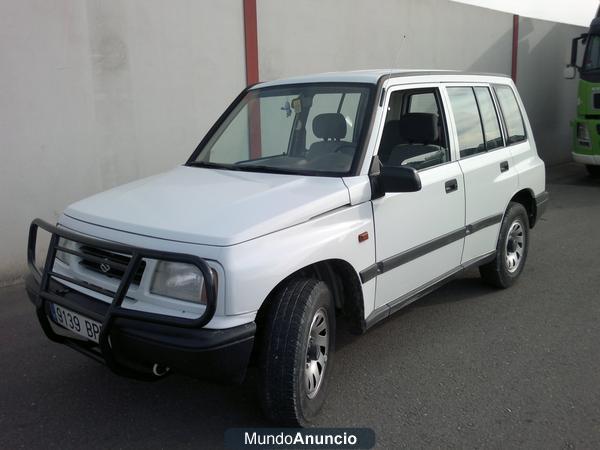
(511, 250)
(297, 352)
(594, 171)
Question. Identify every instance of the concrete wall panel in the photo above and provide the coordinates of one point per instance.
(324, 35)
(550, 100)
(95, 94)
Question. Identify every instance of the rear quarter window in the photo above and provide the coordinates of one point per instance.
(513, 119)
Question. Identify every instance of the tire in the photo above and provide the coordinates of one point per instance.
(511, 250)
(299, 309)
(594, 171)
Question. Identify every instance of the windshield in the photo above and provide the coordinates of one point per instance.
(305, 129)
(591, 59)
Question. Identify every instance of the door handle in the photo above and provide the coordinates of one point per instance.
(451, 185)
(503, 166)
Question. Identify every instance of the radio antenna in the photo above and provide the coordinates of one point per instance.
(395, 63)
(375, 167)
(396, 59)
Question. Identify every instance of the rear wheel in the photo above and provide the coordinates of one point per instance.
(511, 250)
(297, 351)
(594, 171)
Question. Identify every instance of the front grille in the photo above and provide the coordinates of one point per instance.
(108, 263)
(596, 101)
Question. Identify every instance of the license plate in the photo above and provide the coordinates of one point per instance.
(75, 322)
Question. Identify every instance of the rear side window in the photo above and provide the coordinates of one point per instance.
(489, 118)
(515, 129)
(466, 118)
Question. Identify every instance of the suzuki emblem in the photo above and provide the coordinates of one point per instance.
(104, 267)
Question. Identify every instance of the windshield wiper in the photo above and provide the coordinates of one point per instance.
(264, 168)
(211, 165)
(245, 167)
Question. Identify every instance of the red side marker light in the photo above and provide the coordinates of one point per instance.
(362, 237)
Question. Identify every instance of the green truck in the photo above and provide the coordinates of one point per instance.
(586, 126)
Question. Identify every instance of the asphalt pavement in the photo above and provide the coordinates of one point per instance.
(465, 367)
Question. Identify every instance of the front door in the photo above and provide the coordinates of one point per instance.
(419, 235)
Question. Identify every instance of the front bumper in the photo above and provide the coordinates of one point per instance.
(588, 160)
(134, 343)
(586, 152)
(137, 348)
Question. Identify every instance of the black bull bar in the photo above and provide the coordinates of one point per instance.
(107, 316)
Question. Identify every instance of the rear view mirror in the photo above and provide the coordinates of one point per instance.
(399, 179)
(569, 72)
(571, 69)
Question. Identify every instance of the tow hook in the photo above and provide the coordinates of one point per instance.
(160, 370)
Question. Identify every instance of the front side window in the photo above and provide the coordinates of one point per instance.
(515, 128)
(305, 129)
(466, 118)
(414, 133)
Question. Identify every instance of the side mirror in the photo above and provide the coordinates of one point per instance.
(569, 72)
(572, 66)
(399, 179)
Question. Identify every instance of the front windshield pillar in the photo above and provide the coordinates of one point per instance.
(254, 129)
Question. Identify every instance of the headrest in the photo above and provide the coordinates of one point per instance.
(391, 134)
(421, 128)
(329, 126)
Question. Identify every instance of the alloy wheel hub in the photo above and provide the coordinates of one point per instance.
(515, 246)
(316, 352)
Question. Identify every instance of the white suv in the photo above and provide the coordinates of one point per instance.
(343, 193)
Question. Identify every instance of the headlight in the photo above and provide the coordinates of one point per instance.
(64, 256)
(181, 281)
(583, 134)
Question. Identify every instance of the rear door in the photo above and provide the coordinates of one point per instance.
(419, 235)
(486, 162)
(515, 131)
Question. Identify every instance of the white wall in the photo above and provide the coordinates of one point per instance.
(299, 37)
(324, 35)
(97, 93)
(550, 100)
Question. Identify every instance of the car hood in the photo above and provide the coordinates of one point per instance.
(211, 206)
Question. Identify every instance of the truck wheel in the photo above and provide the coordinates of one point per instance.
(297, 349)
(594, 171)
(511, 250)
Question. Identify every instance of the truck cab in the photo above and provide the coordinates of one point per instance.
(586, 125)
